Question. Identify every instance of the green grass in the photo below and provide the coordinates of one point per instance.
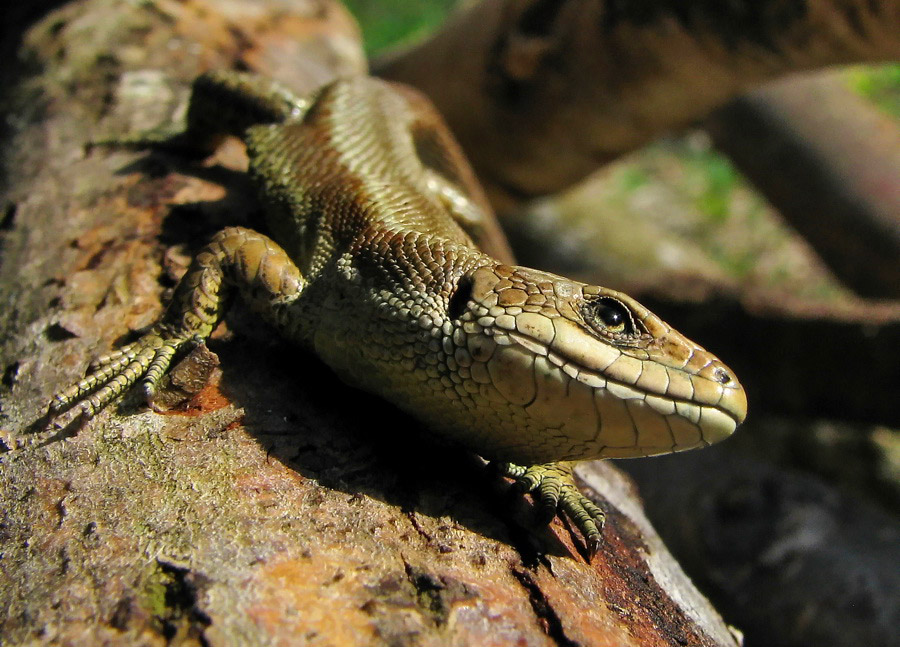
(720, 179)
(880, 84)
(389, 23)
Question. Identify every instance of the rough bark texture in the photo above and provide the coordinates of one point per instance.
(276, 506)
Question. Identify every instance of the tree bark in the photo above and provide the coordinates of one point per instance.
(270, 507)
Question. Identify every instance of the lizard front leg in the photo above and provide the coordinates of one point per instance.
(236, 257)
(554, 489)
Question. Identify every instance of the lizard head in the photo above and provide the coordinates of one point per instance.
(595, 371)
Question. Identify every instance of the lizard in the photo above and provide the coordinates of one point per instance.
(370, 263)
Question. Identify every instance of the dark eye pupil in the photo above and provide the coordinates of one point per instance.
(611, 316)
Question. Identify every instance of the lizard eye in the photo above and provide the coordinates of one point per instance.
(609, 315)
(460, 298)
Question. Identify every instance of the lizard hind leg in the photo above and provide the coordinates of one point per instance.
(222, 102)
(553, 487)
(236, 258)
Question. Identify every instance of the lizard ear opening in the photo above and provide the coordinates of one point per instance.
(460, 298)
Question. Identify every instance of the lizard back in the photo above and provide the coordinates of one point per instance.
(361, 133)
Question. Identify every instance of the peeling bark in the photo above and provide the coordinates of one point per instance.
(272, 507)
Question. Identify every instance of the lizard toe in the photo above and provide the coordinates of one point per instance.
(110, 376)
(553, 488)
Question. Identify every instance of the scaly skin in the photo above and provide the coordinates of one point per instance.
(374, 268)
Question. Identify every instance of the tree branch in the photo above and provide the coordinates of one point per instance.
(542, 92)
(830, 163)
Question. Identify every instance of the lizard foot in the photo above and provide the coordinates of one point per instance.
(146, 360)
(170, 139)
(554, 490)
(264, 274)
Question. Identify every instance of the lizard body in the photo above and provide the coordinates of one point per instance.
(372, 265)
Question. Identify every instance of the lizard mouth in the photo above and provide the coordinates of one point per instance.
(641, 418)
(611, 413)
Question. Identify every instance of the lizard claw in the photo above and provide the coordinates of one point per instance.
(554, 490)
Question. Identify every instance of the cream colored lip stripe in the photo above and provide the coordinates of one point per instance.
(625, 420)
(540, 334)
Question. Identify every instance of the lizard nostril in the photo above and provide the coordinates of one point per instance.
(721, 376)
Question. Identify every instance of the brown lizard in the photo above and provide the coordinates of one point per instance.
(371, 264)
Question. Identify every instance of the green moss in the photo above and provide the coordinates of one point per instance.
(721, 179)
(712, 180)
(632, 178)
(153, 595)
(171, 600)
